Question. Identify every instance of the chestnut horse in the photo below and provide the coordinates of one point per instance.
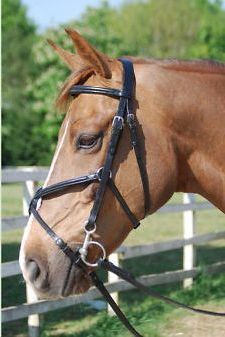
(180, 109)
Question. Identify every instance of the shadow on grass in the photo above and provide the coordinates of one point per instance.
(13, 288)
(10, 251)
(105, 325)
(172, 260)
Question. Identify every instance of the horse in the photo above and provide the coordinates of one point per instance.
(179, 108)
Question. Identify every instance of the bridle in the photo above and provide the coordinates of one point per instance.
(103, 176)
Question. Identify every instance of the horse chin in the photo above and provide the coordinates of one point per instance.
(78, 283)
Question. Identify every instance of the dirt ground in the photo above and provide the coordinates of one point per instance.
(197, 325)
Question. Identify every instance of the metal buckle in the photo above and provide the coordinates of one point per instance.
(130, 118)
(99, 173)
(120, 120)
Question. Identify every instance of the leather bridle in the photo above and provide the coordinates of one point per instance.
(103, 175)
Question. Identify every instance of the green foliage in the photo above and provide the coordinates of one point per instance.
(182, 29)
(43, 92)
(18, 37)
(151, 28)
(210, 38)
(98, 26)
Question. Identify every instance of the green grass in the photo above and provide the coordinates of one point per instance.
(12, 195)
(150, 317)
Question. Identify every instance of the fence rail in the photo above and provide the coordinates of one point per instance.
(128, 252)
(22, 174)
(24, 310)
(29, 176)
(18, 222)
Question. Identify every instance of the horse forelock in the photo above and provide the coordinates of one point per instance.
(77, 77)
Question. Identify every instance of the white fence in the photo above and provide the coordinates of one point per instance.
(29, 176)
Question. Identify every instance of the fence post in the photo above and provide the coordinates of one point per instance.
(114, 258)
(29, 188)
(189, 230)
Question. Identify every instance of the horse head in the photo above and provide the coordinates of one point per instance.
(81, 150)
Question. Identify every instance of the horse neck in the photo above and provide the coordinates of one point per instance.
(188, 110)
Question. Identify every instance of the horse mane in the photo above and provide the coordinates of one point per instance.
(199, 66)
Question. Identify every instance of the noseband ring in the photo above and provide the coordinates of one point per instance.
(83, 253)
(99, 173)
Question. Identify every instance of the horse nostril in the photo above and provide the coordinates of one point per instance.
(37, 275)
(33, 270)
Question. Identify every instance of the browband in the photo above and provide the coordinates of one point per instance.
(126, 91)
(87, 89)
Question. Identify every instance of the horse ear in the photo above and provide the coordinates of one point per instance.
(73, 61)
(90, 55)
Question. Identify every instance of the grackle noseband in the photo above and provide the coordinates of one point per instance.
(103, 175)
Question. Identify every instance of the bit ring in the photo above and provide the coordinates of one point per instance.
(94, 264)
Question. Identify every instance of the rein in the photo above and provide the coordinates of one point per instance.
(104, 177)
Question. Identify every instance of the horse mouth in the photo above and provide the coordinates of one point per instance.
(76, 282)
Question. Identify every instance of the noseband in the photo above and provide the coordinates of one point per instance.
(103, 175)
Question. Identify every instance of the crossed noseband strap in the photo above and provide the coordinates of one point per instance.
(103, 175)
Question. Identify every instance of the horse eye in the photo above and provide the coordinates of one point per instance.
(87, 141)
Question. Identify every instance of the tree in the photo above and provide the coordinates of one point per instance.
(210, 38)
(18, 37)
(43, 92)
(182, 29)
